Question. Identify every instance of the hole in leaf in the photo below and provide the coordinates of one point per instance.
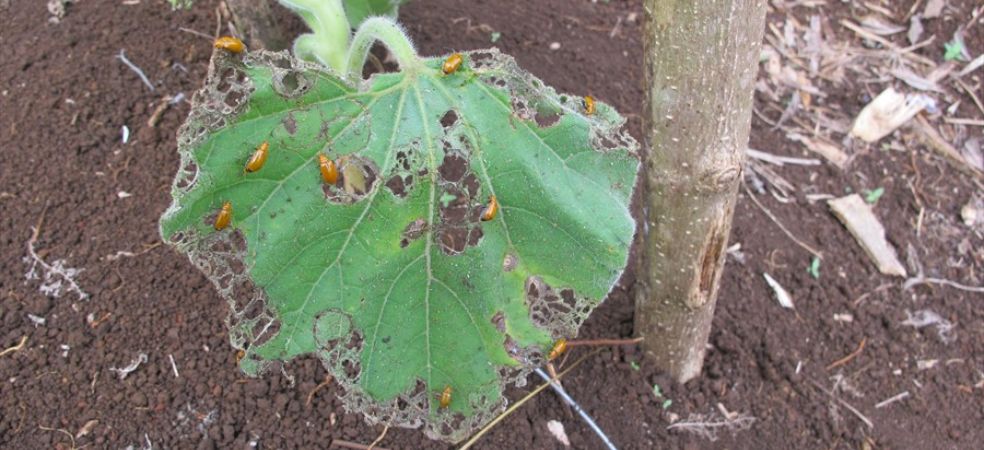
(413, 231)
(357, 177)
(396, 186)
(453, 168)
(264, 330)
(561, 311)
(449, 119)
(481, 60)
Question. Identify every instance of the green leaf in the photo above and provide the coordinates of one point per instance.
(872, 196)
(359, 10)
(814, 269)
(953, 50)
(401, 290)
(495, 36)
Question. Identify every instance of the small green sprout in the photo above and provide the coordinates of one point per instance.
(659, 394)
(873, 195)
(634, 365)
(954, 50)
(495, 36)
(180, 4)
(814, 269)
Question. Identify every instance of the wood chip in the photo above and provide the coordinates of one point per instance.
(827, 150)
(857, 216)
(782, 295)
(886, 113)
(557, 430)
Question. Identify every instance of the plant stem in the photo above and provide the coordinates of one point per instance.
(330, 31)
(392, 36)
(584, 415)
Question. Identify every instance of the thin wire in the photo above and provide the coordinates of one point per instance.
(567, 399)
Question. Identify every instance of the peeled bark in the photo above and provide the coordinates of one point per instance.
(256, 23)
(701, 62)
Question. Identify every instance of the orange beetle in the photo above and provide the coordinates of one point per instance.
(230, 44)
(224, 217)
(329, 170)
(259, 158)
(452, 63)
(558, 349)
(445, 398)
(491, 210)
(589, 105)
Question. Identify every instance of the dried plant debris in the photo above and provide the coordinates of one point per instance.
(886, 113)
(857, 216)
(134, 364)
(55, 277)
(708, 426)
(557, 431)
(782, 295)
(925, 318)
(805, 61)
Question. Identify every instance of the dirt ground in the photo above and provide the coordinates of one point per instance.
(95, 201)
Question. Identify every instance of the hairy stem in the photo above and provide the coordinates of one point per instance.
(391, 35)
(328, 41)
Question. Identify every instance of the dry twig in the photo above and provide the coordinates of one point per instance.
(53, 274)
(380, 438)
(850, 408)
(16, 348)
(849, 357)
(65, 432)
(782, 227)
(316, 389)
(353, 445)
(604, 342)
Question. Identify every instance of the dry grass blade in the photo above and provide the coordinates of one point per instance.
(380, 438)
(933, 140)
(849, 357)
(847, 405)
(353, 445)
(590, 342)
(522, 401)
(907, 53)
(15, 348)
(782, 227)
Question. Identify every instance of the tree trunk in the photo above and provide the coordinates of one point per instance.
(256, 23)
(701, 63)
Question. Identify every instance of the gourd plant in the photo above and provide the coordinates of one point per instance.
(427, 233)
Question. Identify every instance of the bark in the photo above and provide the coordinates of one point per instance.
(701, 63)
(256, 23)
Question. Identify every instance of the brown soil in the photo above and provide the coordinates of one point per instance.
(65, 98)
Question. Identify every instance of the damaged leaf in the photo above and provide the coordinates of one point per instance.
(388, 275)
